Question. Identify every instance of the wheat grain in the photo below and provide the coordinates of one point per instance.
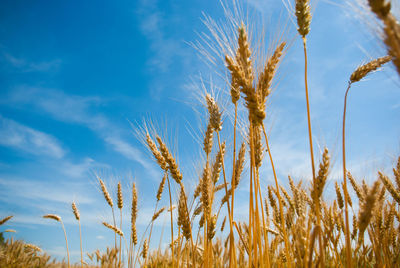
(161, 187)
(367, 68)
(120, 202)
(172, 166)
(303, 15)
(75, 211)
(53, 217)
(4, 220)
(389, 186)
(115, 229)
(106, 193)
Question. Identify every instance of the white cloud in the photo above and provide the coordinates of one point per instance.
(27, 66)
(79, 170)
(16, 135)
(131, 153)
(34, 190)
(77, 109)
(165, 49)
(63, 107)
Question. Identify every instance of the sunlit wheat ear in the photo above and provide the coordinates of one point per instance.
(320, 180)
(172, 166)
(303, 15)
(134, 234)
(134, 209)
(356, 187)
(119, 196)
(205, 190)
(214, 112)
(219, 187)
(355, 227)
(115, 229)
(156, 153)
(223, 224)
(161, 187)
(211, 227)
(367, 68)
(75, 211)
(33, 247)
(4, 220)
(339, 196)
(271, 197)
(145, 249)
(157, 214)
(208, 139)
(258, 147)
(183, 216)
(389, 186)
(239, 165)
(288, 198)
(366, 209)
(266, 76)
(235, 90)
(216, 168)
(346, 193)
(106, 194)
(53, 217)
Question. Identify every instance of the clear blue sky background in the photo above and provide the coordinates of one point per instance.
(74, 74)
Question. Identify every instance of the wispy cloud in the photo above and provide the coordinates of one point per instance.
(25, 65)
(78, 110)
(164, 48)
(21, 137)
(131, 153)
(80, 169)
(33, 190)
(63, 107)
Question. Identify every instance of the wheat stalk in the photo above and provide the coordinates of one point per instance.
(78, 218)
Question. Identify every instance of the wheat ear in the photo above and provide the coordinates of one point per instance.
(58, 218)
(78, 218)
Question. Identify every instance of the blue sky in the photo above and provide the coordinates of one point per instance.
(74, 76)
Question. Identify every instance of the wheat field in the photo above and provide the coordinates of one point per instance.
(291, 226)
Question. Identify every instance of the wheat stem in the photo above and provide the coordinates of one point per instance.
(347, 235)
(279, 198)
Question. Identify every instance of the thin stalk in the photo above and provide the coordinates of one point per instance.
(115, 235)
(251, 199)
(66, 240)
(80, 238)
(258, 225)
(308, 107)
(234, 160)
(233, 171)
(348, 245)
(152, 222)
(205, 231)
(141, 242)
(279, 198)
(187, 211)
(256, 221)
(120, 239)
(241, 237)
(264, 225)
(232, 244)
(252, 244)
(172, 226)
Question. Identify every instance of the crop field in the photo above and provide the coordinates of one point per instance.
(289, 222)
